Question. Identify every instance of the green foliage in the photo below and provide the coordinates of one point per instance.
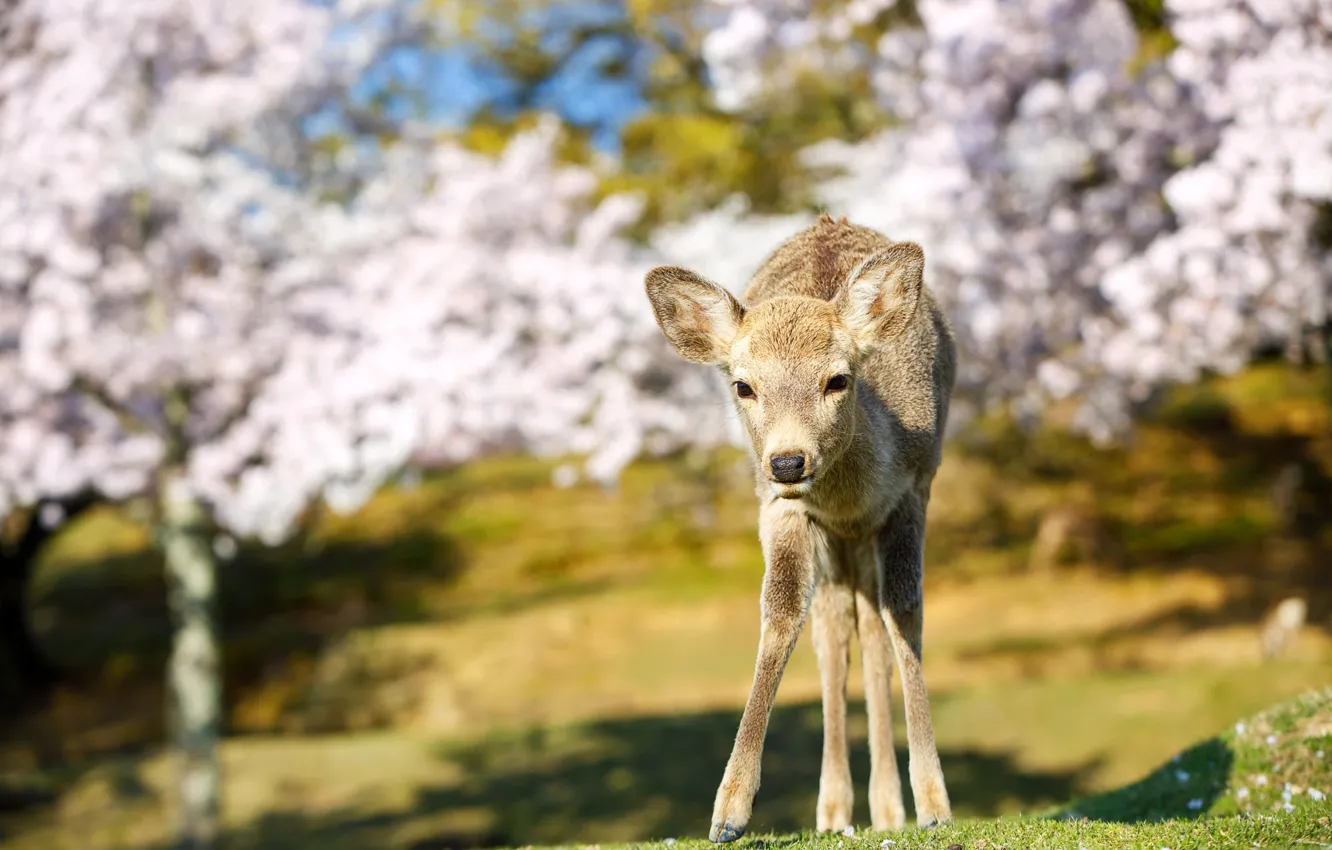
(691, 159)
(1150, 20)
(489, 132)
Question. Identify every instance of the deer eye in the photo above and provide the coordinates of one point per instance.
(837, 383)
(744, 390)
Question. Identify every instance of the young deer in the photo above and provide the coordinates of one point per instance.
(842, 365)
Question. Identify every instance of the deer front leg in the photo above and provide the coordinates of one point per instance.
(833, 620)
(876, 660)
(902, 544)
(788, 581)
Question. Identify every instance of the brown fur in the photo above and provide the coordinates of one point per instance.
(845, 542)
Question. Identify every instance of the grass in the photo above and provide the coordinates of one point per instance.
(1279, 761)
(1263, 783)
(1305, 828)
(482, 658)
(525, 788)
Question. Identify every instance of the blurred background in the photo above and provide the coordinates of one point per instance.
(350, 497)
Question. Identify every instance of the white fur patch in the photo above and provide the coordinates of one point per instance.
(881, 285)
(720, 318)
(863, 296)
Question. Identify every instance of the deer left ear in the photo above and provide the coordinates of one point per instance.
(884, 292)
(698, 317)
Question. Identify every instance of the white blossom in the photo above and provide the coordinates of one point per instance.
(1093, 229)
(142, 252)
(165, 289)
(1031, 161)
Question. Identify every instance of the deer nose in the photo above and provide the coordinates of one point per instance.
(788, 468)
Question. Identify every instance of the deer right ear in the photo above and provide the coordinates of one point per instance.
(698, 317)
(883, 292)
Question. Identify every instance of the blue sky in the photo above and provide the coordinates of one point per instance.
(451, 84)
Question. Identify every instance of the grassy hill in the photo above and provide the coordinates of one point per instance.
(483, 658)
(1264, 782)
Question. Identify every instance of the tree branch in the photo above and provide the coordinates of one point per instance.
(130, 422)
(249, 390)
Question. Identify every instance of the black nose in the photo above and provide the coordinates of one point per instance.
(788, 468)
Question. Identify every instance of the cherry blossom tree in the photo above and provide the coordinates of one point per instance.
(182, 317)
(161, 288)
(1244, 269)
(1031, 162)
(518, 311)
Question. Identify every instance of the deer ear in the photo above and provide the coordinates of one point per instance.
(883, 293)
(698, 317)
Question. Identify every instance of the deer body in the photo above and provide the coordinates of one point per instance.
(841, 365)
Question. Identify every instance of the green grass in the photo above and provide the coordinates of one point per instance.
(591, 782)
(1277, 762)
(1264, 783)
(1303, 828)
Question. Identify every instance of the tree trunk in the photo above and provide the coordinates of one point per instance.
(33, 670)
(193, 683)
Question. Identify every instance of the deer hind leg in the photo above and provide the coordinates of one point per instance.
(832, 624)
(902, 547)
(876, 660)
(788, 581)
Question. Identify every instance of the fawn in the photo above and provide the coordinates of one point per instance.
(841, 365)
